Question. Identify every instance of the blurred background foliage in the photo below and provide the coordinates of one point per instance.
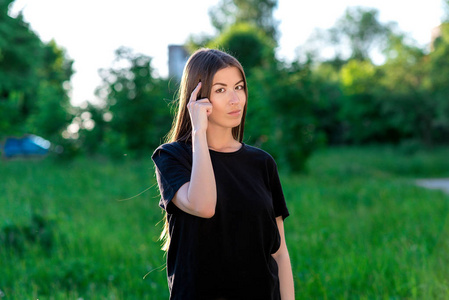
(361, 230)
(34, 82)
(345, 98)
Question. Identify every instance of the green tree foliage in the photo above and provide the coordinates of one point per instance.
(228, 13)
(256, 12)
(32, 79)
(248, 44)
(52, 108)
(135, 116)
(387, 103)
(362, 30)
(354, 36)
(19, 48)
(326, 92)
(406, 106)
(281, 117)
(359, 110)
(402, 100)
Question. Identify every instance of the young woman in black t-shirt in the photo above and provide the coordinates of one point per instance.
(224, 201)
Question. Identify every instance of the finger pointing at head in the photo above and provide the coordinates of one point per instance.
(194, 95)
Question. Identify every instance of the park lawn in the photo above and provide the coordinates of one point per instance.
(358, 227)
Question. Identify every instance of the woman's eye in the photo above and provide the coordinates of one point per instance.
(220, 90)
(239, 87)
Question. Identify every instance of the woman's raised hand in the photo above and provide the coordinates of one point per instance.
(199, 110)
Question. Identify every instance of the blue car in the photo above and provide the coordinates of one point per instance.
(27, 146)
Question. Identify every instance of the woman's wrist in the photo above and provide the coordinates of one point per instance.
(199, 138)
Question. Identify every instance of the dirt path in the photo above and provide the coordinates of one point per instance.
(437, 183)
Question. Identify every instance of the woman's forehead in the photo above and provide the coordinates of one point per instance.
(228, 75)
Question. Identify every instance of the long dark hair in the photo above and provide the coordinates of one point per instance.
(201, 66)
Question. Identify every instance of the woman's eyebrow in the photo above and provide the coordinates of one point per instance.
(224, 84)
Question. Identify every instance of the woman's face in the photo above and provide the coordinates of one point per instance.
(228, 98)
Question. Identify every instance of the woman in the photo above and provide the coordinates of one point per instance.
(224, 202)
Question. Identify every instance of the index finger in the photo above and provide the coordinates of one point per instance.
(194, 94)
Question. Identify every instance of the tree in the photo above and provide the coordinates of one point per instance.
(20, 57)
(32, 79)
(280, 115)
(256, 12)
(248, 44)
(360, 111)
(52, 110)
(354, 36)
(135, 115)
(361, 29)
(406, 108)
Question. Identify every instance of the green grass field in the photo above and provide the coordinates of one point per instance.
(359, 228)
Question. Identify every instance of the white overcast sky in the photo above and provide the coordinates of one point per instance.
(91, 30)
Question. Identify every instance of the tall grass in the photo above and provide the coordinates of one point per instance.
(359, 228)
(102, 247)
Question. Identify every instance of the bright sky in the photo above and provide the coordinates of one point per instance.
(91, 30)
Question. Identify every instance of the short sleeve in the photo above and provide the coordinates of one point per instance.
(173, 169)
(279, 204)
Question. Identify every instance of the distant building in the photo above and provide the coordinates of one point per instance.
(435, 33)
(177, 58)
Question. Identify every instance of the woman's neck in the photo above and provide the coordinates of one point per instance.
(221, 140)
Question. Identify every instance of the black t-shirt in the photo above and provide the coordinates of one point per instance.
(229, 255)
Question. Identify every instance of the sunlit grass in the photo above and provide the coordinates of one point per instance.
(102, 246)
(363, 230)
(359, 228)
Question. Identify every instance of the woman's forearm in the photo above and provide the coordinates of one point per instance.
(202, 193)
(282, 258)
(285, 276)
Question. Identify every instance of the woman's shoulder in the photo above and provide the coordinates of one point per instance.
(174, 148)
(258, 152)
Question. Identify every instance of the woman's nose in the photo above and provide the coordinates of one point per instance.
(234, 98)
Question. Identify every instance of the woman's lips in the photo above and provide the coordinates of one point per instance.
(235, 112)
